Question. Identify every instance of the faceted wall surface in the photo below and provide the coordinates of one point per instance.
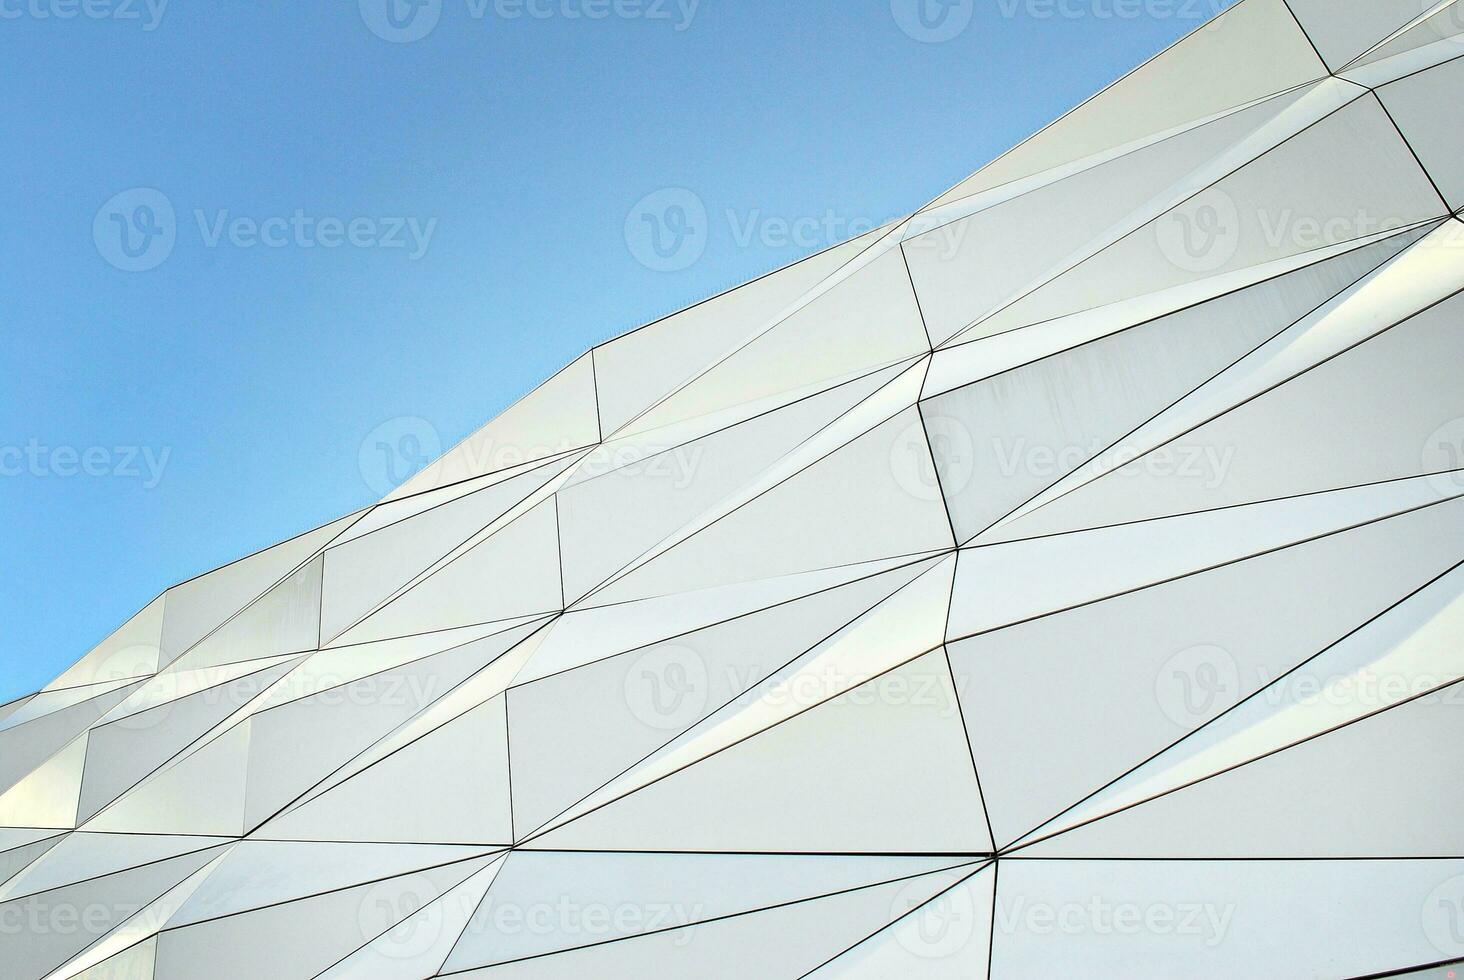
(1063, 581)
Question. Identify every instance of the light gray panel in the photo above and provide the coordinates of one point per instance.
(123, 752)
(574, 731)
(1384, 787)
(1446, 24)
(284, 620)
(197, 607)
(864, 319)
(1427, 109)
(555, 417)
(965, 271)
(882, 769)
(130, 964)
(201, 793)
(419, 945)
(28, 745)
(450, 786)
(636, 370)
(15, 859)
(364, 572)
(44, 931)
(13, 706)
(131, 651)
(298, 940)
(258, 874)
(946, 938)
(1348, 177)
(82, 856)
(856, 504)
(515, 572)
(1387, 409)
(1186, 83)
(1344, 29)
(576, 900)
(609, 521)
(295, 746)
(1127, 677)
(1016, 434)
(1215, 919)
(1410, 650)
(785, 942)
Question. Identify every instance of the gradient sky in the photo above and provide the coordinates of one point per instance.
(417, 213)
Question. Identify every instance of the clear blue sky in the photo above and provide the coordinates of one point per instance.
(220, 398)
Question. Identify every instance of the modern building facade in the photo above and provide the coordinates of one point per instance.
(1063, 581)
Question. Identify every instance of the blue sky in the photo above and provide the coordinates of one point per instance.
(417, 211)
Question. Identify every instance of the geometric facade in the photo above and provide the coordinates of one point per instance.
(1063, 581)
